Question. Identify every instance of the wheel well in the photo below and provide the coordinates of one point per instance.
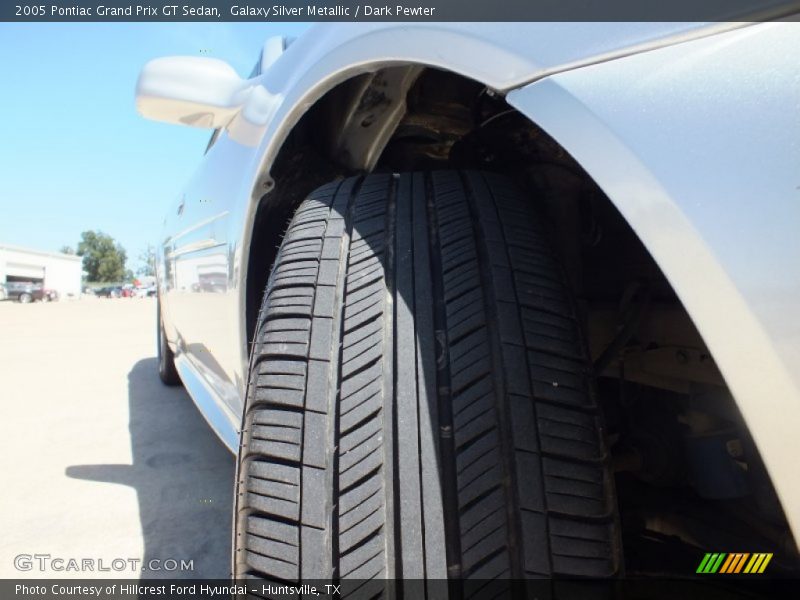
(405, 118)
(668, 408)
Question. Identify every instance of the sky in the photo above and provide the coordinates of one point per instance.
(74, 154)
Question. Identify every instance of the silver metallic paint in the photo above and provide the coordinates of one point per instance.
(696, 142)
(698, 146)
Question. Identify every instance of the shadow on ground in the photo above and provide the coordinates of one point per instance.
(182, 474)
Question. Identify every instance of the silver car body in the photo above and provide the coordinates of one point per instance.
(692, 130)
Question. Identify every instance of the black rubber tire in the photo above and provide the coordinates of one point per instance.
(25, 298)
(166, 358)
(420, 401)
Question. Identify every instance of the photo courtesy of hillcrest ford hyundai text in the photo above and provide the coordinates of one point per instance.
(443, 300)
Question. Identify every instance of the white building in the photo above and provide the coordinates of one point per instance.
(60, 272)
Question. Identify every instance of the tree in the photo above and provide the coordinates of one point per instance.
(103, 259)
(147, 258)
(67, 250)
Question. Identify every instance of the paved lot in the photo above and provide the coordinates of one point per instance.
(99, 460)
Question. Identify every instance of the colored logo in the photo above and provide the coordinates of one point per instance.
(735, 562)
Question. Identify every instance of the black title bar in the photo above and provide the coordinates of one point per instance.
(744, 588)
(397, 10)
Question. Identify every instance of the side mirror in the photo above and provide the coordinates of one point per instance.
(190, 90)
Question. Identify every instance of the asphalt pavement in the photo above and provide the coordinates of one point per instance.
(101, 464)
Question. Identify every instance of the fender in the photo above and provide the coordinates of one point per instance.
(673, 138)
(501, 56)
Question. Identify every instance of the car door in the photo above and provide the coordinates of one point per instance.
(201, 267)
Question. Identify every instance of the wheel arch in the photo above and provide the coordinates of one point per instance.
(290, 167)
(498, 56)
(689, 235)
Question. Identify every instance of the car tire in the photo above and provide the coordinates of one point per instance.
(420, 402)
(25, 298)
(166, 358)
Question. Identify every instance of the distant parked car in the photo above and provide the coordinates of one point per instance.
(109, 292)
(145, 292)
(24, 291)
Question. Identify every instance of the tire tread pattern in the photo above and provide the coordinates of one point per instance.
(420, 403)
